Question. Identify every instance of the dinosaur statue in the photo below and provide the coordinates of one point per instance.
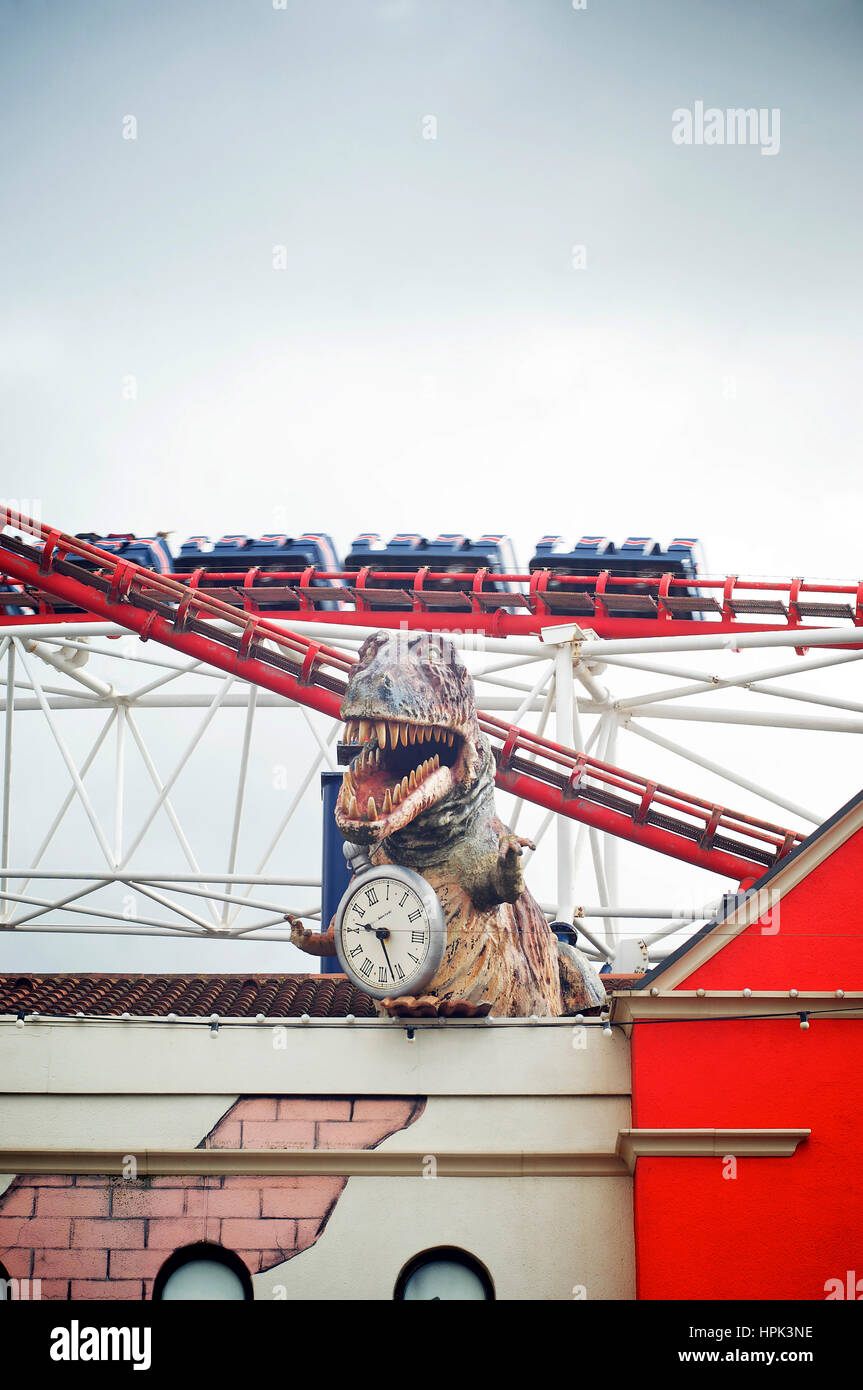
(420, 793)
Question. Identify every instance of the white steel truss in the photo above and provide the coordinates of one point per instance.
(138, 791)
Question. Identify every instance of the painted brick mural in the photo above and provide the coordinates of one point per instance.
(108, 1237)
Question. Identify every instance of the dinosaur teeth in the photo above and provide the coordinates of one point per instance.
(412, 781)
(353, 809)
(397, 795)
(389, 733)
(404, 788)
(436, 762)
(371, 809)
(388, 802)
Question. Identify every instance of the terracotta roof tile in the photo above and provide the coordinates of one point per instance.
(187, 996)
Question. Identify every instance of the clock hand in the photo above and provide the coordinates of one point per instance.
(381, 934)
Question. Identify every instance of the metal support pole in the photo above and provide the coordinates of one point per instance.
(7, 755)
(564, 708)
(241, 789)
(335, 874)
(119, 782)
(611, 841)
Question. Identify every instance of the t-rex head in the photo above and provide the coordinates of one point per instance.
(409, 706)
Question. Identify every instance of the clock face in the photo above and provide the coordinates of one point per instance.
(389, 935)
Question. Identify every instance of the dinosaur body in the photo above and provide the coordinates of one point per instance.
(420, 793)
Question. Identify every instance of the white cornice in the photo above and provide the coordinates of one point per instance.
(313, 1163)
(634, 1006)
(633, 1144)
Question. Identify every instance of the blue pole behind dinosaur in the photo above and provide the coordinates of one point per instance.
(335, 874)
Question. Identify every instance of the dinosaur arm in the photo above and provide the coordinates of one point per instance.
(496, 877)
(314, 943)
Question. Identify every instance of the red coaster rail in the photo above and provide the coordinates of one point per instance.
(474, 600)
(202, 626)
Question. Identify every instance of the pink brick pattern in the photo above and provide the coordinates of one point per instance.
(107, 1238)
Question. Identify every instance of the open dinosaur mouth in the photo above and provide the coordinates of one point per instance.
(401, 769)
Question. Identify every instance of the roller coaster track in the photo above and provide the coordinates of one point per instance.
(506, 605)
(80, 577)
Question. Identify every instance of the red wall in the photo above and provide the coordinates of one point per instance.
(814, 940)
(783, 1226)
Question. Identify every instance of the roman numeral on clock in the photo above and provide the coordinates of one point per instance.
(416, 936)
(355, 950)
(371, 897)
(366, 968)
(412, 916)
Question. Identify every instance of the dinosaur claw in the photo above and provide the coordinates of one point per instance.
(513, 844)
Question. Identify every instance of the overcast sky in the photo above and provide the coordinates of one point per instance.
(433, 355)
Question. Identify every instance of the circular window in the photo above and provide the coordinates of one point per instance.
(444, 1274)
(203, 1272)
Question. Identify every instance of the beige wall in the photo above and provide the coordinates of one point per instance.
(538, 1238)
(329, 1058)
(490, 1089)
(108, 1121)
